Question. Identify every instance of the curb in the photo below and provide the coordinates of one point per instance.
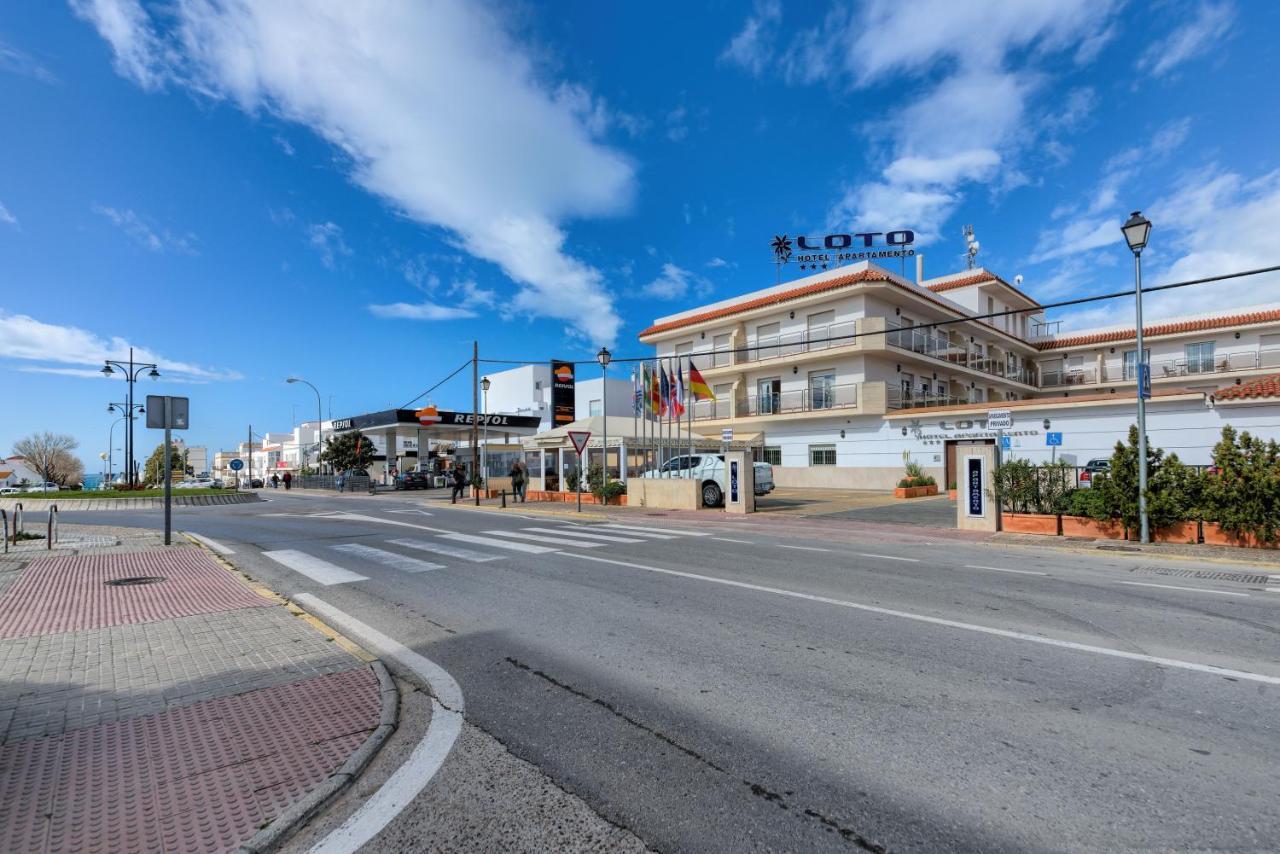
(309, 805)
(1266, 566)
(151, 503)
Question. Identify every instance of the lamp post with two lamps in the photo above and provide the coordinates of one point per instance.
(123, 409)
(131, 370)
(1136, 230)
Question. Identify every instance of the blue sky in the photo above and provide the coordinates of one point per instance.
(353, 192)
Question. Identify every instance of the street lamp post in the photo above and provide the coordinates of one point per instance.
(111, 445)
(131, 371)
(484, 449)
(128, 411)
(1135, 231)
(319, 418)
(603, 357)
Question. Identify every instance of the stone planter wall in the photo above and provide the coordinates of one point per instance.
(914, 491)
(1030, 523)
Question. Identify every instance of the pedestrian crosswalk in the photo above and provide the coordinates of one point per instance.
(449, 547)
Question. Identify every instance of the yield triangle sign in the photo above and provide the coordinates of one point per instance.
(579, 439)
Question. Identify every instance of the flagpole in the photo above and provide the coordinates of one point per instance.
(688, 394)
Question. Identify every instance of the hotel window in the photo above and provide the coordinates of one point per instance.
(767, 340)
(819, 327)
(1131, 362)
(1269, 355)
(822, 389)
(684, 349)
(907, 380)
(593, 408)
(822, 455)
(772, 455)
(721, 346)
(1200, 358)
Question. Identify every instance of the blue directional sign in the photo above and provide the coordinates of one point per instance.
(1051, 439)
(1006, 443)
(1144, 381)
(235, 465)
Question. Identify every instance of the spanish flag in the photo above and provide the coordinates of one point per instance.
(698, 386)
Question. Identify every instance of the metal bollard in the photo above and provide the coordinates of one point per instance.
(504, 499)
(17, 522)
(5, 518)
(51, 533)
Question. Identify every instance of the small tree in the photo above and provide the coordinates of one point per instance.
(603, 488)
(1245, 493)
(1119, 488)
(153, 471)
(346, 451)
(49, 455)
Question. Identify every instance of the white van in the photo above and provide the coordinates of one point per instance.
(709, 468)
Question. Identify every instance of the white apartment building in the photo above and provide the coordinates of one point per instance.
(526, 390)
(834, 377)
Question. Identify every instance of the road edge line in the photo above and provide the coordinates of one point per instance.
(426, 759)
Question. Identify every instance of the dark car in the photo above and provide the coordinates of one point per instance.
(413, 480)
(1094, 467)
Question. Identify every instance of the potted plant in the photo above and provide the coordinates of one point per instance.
(916, 483)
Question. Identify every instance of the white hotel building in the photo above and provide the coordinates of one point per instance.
(834, 377)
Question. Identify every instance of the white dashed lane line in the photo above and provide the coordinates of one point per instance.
(1004, 569)
(1187, 589)
(890, 557)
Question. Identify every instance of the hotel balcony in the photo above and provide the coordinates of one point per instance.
(758, 351)
(866, 398)
(955, 352)
(1164, 369)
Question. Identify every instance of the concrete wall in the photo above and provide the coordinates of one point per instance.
(837, 477)
(664, 493)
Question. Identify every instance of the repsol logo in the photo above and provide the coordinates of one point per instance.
(863, 239)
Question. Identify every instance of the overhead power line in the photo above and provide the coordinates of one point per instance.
(935, 324)
(437, 385)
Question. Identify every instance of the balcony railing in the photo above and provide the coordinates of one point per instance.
(814, 399)
(1165, 369)
(944, 349)
(897, 399)
(705, 410)
(816, 338)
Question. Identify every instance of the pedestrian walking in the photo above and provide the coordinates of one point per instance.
(288, 481)
(342, 481)
(275, 481)
(459, 484)
(519, 480)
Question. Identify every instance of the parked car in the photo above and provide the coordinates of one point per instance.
(195, 483)
(10, 490)
(47, 486)
(1102, 465)
(413, 480)
(709, 468)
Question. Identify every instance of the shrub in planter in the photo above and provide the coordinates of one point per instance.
(1244, 495)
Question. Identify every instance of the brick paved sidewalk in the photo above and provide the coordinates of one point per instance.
(181, 714)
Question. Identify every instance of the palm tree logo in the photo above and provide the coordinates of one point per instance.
(781, 248)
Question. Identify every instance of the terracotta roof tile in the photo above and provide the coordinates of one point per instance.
(1268, 386)
(1173, 328)
(868, 275)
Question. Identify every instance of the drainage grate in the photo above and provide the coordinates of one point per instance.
(1118, 549)
(1241, 577)
(656, 514)
(134, 580)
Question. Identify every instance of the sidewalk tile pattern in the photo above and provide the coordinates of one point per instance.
(199, 778)
(63, 594)
(52, 683)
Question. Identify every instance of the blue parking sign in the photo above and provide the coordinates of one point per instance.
(1006, 443)
(1051, 439)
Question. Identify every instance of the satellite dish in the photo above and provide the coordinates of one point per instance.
(1017, 280)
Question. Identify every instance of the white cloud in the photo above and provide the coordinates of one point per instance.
(439, 110)
(285, 145)
(326, 238)
(419, 311)
(18, 62)
(752, 47)
(1208, 29)
(719, 262)
(971, 165)
(25, 338)
(6, 217)
(675, 282)
(147, 235)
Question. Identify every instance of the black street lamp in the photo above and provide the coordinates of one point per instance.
(132, 370)
(484, 450)
(319, 418)
(604, 357)
(1136, 230)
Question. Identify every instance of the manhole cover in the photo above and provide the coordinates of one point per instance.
(134, 581)
(1242, 577)
(655, 514)
(1118, 549)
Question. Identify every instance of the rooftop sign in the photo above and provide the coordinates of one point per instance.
(831, 250)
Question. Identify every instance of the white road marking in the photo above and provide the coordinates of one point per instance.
(211, 543)
(358, 517)
(802, 548)
(538, 538)
(411, 777)
(890, 557)
(668, 531)
(1190, 589)
(489, 541)
(404, 563)
(632, 532)
(320, 571)
(446, 549)
(574, 532)
(418, 512)
(743, 542)
(1003, 569)
(953, 624)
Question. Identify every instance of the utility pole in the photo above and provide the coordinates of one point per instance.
(475, 408)
(249, 448)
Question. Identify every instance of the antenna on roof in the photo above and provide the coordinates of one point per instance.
(971, 243)
(1017, 280)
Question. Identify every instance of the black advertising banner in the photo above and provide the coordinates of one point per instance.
(563, 397)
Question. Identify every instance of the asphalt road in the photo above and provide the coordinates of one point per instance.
(743, 690)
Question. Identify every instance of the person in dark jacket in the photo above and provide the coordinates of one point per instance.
(519, 480)
(288, 480)
(459, 483)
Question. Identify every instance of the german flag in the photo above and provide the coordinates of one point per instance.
(698, 386)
